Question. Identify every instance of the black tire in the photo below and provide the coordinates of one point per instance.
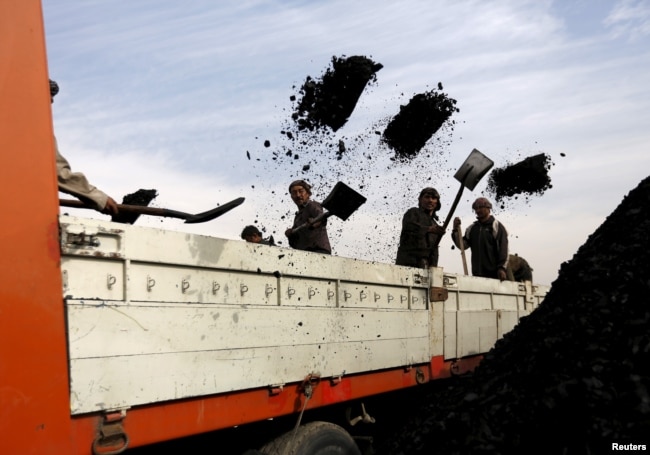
(314, 438)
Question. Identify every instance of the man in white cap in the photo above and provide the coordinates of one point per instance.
(488, 240)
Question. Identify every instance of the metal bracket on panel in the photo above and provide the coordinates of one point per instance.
(449, 281)
(438, 294)
(419, 278)
(336, 380)
(112, 438)
(276, 389)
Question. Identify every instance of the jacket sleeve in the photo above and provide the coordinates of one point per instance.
(502, 242)
(76, 184)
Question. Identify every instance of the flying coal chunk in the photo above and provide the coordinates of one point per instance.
(417, 121)
(527, 177)
(330, 100)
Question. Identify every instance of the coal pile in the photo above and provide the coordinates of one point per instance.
(411, 128)
(571, 378)
(527, 177)
(330, 100)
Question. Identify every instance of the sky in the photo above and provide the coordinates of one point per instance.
(181, 96)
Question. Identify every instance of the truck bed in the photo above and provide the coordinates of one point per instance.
(156, 315)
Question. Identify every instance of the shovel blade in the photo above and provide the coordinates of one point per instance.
(343, 201)
(215, 212)
(475, 166)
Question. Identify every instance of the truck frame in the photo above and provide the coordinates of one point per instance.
(118, 336)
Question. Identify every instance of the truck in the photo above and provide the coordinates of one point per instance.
(117, 336)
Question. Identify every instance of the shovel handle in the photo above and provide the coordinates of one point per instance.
(143, 210)
(317, 219)
(461, 243)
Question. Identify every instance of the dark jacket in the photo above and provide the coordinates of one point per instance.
(310, 238)
(416, 245)
(489, 244)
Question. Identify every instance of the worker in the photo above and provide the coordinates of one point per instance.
(305, 234)
(75, 183)
(488, 240)
(519, 269)
(253, 235)
(420, 236)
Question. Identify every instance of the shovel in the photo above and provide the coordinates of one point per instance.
(459, 232)
(155, 211)
(475, 166)
(342, 201)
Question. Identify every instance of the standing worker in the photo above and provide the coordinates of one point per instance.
(419, 239)
(75, 183)
(488, 240)
(313, 237)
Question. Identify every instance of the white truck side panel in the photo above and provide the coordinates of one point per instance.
(159, 315)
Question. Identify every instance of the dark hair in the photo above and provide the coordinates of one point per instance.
(250, 230)
(301, 183)
(433, 193)
(54, 88)
(481, 201)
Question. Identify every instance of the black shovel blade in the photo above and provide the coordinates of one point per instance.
(343, 201)
(215, 212)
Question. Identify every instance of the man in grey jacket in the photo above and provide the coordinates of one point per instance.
(488, 240)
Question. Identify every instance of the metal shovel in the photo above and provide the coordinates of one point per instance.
(475, 166)
(155, 211)
(342, 201)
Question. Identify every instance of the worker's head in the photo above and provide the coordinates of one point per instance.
(429, 199)
(300, 191)
(251, 234)
(482, 207)
(54, 89)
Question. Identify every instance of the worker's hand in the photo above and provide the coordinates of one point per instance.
(288, 232)
(435, 229)
(501, 273)
(456, 222)
(312, 225)
(111, 207)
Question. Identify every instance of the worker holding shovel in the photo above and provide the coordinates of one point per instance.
(306, 234)
(420, 236)
(75, 183)
(488, 239)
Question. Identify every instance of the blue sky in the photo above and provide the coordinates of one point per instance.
(172, 95)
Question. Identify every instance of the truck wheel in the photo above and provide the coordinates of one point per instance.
(314, 438)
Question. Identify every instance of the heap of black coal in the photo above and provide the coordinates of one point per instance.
(573, 377)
